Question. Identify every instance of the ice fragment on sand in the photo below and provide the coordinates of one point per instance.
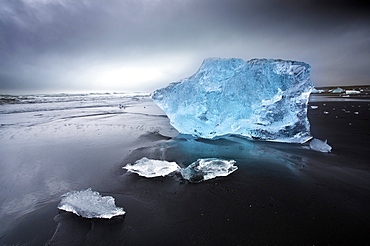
(352, 92)
(338, 90)
(260, 99)
(152, 168)
(204, 169)
(90, 204)
(319, 145)
(314, 106)
(314, 90)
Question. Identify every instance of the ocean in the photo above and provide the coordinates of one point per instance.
(281, 194)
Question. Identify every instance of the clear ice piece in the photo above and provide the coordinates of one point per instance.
(205, 169)
(90, 204)
(260, 99)
(319, 145)
(338, 90)
(152, 168)
(317, 91)
(352, 92)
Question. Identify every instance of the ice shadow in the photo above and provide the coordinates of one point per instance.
(75, 230)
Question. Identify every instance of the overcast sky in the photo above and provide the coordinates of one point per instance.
(141, 45)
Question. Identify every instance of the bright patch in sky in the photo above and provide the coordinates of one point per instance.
(113, 77)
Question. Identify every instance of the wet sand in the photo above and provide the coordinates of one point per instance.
(282, 194)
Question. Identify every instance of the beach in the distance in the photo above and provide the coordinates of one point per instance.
(281, 194)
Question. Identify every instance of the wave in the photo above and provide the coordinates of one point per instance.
(49, 102)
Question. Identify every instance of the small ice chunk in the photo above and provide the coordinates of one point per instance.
(352, 92)
(209, 168)
(152, 168)
(319, 145)
(315, 91)
(90, 204)
(314, 107)
(338, 90)
(326, 112)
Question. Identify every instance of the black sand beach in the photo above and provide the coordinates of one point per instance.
(282, 194)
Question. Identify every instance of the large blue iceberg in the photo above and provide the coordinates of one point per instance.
(262, 99)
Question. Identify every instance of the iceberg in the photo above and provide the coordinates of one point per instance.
(209, 168)
(262, 99)
(319, 145)
(152, 168)
(90, 204)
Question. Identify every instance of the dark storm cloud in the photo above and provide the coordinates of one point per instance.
(65, 44)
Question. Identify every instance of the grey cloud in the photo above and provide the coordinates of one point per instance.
(49, 44)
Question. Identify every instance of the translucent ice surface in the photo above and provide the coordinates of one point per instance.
(261, 99)
(152, 168)
(90, 204)
(338, 90)
(204, 169)
(319, 145)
